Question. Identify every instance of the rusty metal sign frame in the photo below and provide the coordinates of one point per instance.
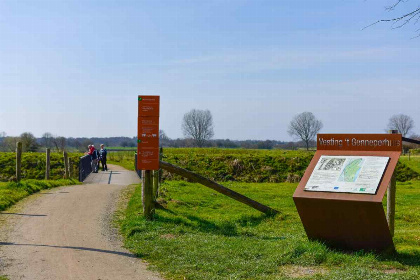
(345, 220)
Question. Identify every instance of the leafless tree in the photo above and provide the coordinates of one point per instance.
(403, 19)
(305, 127)
(162, 135)
(9, 144)
(59, 143)
(198, 125)
(403, 123)
(47, 140)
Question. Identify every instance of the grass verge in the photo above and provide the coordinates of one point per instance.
(204, 235)
(12, 192)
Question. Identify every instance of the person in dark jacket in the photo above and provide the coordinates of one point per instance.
(95, 156)
(102, 156)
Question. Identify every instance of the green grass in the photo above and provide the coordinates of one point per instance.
(205, 235)
(413, 163)
(122, 148)
(124, 159)
(12, 192)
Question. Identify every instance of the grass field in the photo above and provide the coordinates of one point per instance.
(413, 162)
(12, 192)
(124, 159)
(204, 235)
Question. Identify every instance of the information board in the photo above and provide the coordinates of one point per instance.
(148, 133)
(347, 174)
(339, 198)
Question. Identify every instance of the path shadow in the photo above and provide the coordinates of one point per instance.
(124, 254)
(52, 193)
(21, 214)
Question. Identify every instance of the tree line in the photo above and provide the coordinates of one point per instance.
(198, 126)
(198, 129)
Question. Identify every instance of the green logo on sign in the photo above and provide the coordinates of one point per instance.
(362, 189)
(139, 141)
(140, 98)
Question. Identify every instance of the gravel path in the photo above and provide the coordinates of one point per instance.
(65, 233)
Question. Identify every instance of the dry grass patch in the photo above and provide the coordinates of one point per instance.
(298, 271)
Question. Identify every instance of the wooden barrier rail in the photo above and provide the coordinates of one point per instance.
(217, 187)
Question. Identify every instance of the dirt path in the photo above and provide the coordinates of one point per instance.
(65, 233)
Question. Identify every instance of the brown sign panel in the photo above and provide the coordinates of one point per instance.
(148, 164)
(148, 106)
(148, 133)
(148, 127)
(349, 220)
(359, 142)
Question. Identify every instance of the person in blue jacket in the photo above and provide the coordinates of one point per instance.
(102, 157)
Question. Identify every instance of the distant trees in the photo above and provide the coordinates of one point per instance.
(162, 135)
(59, 143)
(28, 142)
(198, 125)
(47, 140)
(305, 127)
(403, 123)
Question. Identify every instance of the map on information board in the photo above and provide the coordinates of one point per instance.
(348, 174)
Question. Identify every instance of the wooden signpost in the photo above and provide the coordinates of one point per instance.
(339, 199)
(148, 148)
(148, 133)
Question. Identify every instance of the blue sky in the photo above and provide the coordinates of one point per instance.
(75, 68)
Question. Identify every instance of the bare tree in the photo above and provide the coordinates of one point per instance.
(59, 143)
(403, 123)
(162, 135)
(403, 19)
(9, 144)
(305, 127)
(47, 140)
(198, 125)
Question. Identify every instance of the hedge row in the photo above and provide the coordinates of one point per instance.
(252, 165)
(33, 166)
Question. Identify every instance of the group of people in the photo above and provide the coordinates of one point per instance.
(97, 157)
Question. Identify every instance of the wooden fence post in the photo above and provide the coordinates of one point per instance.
(66, 167)
(18, 161)
(390, 198)
(70, 166)
(48, 162)
(157, 174)
(155, 184)
(147, 195)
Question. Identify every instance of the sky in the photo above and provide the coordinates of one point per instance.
(75, 68)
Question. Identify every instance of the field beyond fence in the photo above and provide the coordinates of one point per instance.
(250, 166)
(238, 165)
